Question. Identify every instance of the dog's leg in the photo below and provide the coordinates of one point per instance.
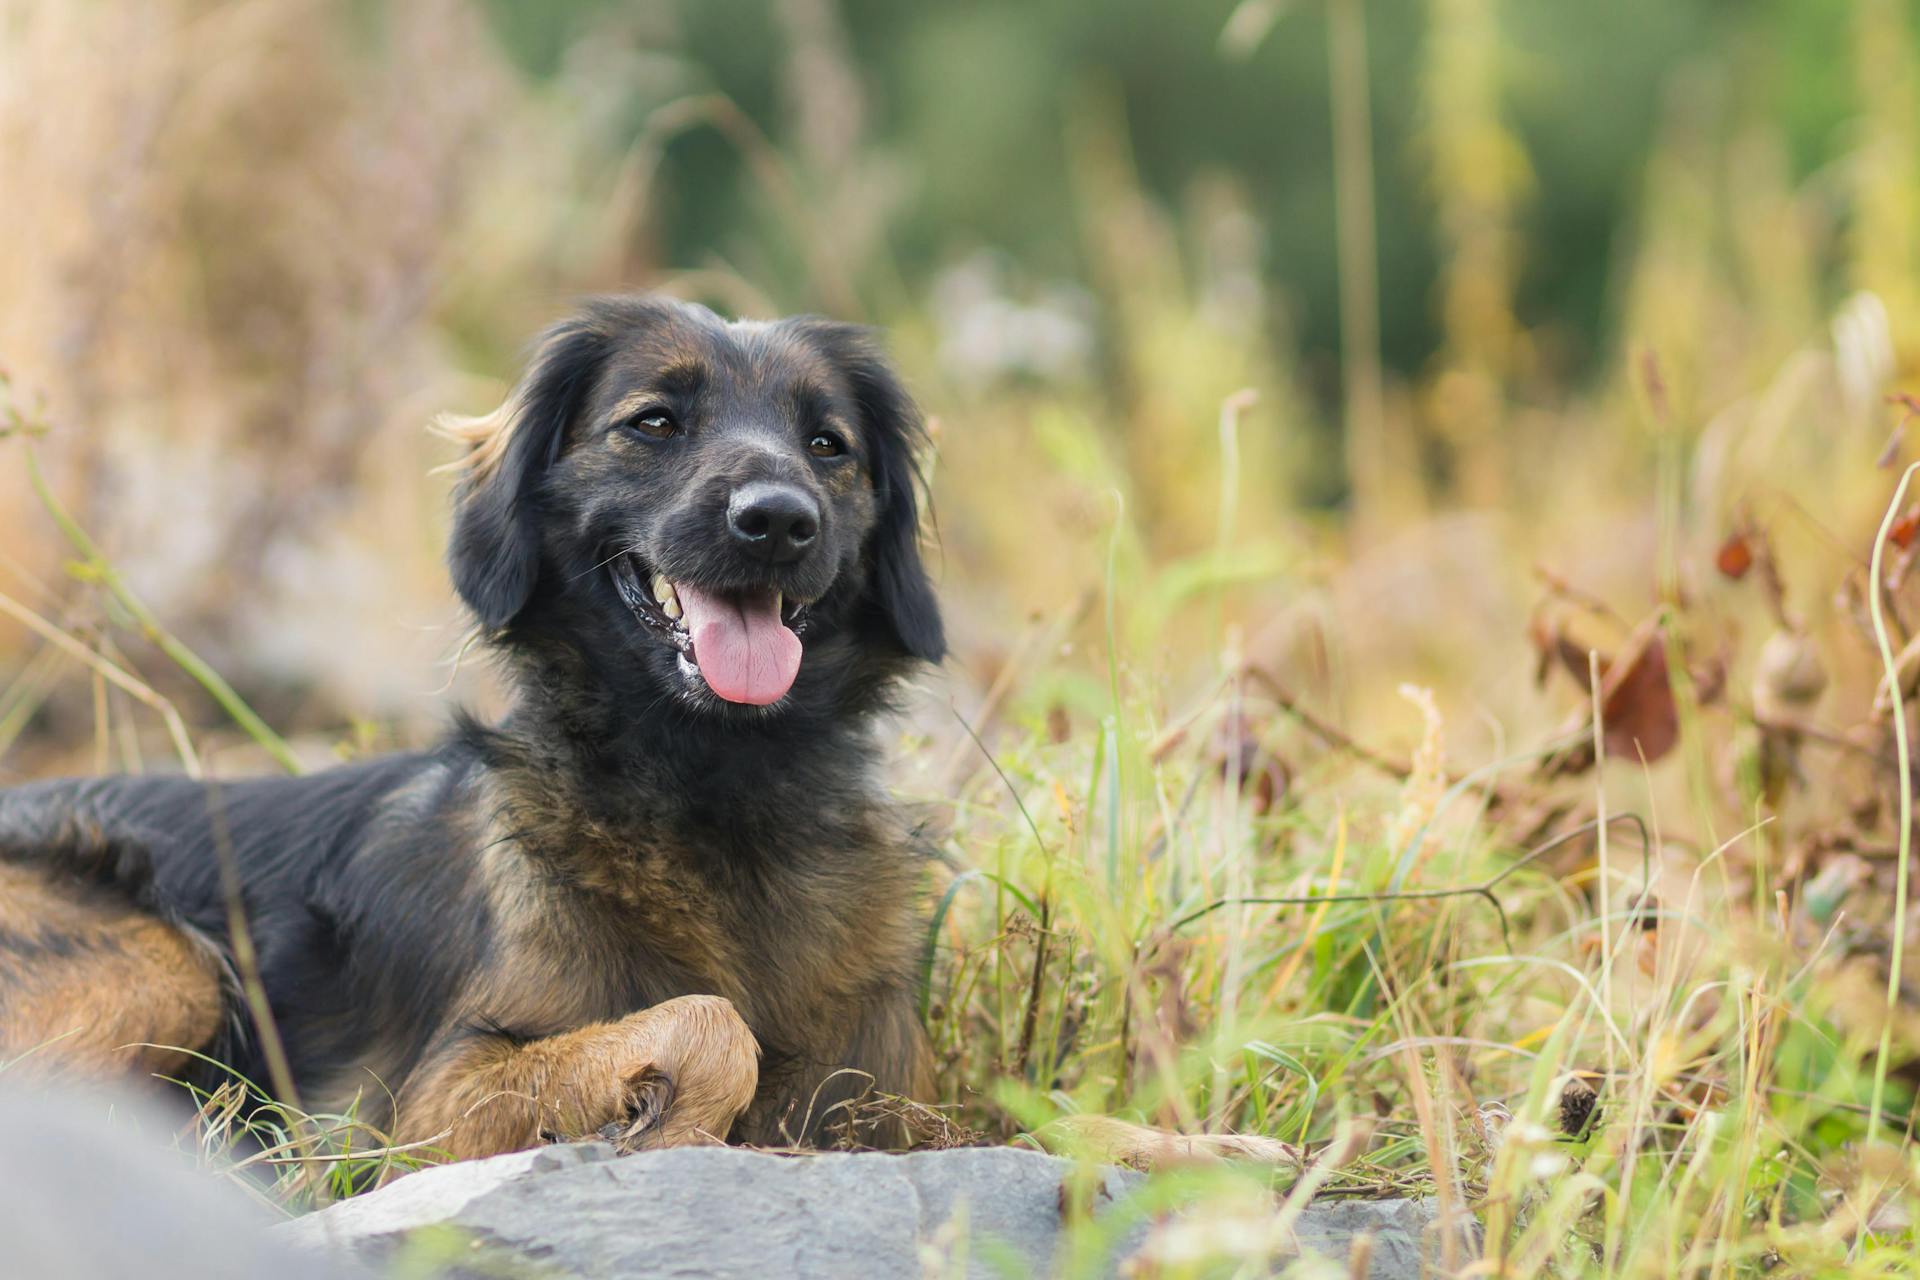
(676, 1074)
(93, 985)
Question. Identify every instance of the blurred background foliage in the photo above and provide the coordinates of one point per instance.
(254, 245)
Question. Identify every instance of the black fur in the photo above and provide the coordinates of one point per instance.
(901, 590)
(624, 836)
(495, 554)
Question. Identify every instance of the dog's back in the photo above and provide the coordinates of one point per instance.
(186, 854)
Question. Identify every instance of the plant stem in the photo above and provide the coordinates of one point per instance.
(1877, 608)
(98, 567)
(1355, 241)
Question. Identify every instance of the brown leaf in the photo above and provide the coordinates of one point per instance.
(1637, 713)
(1901, 535)
(1735, 557)
(1553, 644)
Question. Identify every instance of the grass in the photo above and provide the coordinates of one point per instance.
(293, 1159)
(1231, 915)
(1144, 932)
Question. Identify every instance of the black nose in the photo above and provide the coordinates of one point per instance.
(777, 521)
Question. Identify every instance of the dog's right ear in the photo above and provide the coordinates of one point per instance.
(495, 551)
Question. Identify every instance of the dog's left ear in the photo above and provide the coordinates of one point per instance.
(895, 432)
(494, 554)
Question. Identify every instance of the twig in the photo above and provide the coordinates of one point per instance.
(1320, 729)
(1484, 889)
(1813, 732)
(1340, 741)
(176, 727)
(1566, 590)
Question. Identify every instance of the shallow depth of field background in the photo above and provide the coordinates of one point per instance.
(1392, 363)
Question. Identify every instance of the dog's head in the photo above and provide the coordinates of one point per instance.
(722, 512)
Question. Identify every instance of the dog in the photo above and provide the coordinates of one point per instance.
(665, 898)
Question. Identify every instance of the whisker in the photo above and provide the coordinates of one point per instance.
(622, 551)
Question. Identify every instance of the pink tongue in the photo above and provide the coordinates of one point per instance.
(744, 651)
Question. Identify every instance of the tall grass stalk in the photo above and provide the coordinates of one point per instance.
(1876, 592)
(95, 567)
(1356, 248)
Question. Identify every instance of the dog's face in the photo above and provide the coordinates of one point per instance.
(724, 510)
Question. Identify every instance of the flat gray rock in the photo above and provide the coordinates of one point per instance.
(89, 1191)
(724, 1212)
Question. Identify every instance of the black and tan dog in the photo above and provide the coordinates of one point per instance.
(666, 893)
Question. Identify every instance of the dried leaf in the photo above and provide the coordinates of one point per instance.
(1735, 557)
(1901, 535)
(1553, 644)
(1637, 712)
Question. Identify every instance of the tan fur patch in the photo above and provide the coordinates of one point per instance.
(485, 438)
(97, 987)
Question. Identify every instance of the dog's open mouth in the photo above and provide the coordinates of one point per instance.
(744, 644)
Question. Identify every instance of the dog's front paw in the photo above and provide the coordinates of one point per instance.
(675, 1074)
(678, 1073)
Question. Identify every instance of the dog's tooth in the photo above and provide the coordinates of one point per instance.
(671, 606)
(662, 589)
(776, 604)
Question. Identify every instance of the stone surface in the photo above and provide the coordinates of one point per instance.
(722, 1212)
(89, 1190)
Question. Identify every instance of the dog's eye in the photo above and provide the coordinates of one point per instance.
(656, 424)
(826, 445)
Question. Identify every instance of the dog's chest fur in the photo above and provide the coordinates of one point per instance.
(800, 912)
